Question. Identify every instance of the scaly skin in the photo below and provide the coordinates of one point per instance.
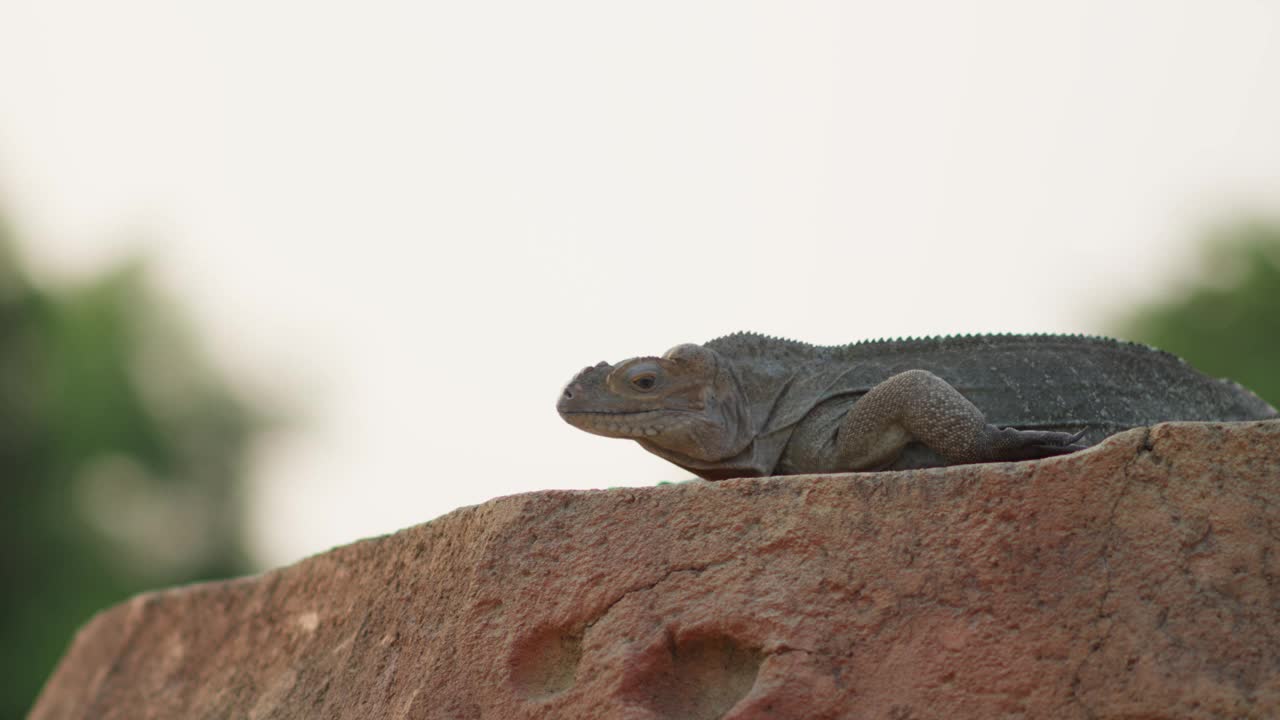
(750, 405)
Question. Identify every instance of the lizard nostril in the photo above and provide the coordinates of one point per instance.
(568, 393)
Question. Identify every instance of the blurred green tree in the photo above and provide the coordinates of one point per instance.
(1227, 323)
(121, 455)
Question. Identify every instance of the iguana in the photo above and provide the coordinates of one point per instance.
(748, 405)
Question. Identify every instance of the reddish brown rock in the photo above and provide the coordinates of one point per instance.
(1140, 579)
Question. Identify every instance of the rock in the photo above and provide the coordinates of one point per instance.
(1139, 579)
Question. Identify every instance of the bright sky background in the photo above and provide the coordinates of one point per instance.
(417, 220)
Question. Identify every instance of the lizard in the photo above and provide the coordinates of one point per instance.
(751, 405)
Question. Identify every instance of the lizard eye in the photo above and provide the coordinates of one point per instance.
(644, 381)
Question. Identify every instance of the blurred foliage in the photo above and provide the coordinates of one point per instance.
(122, 456)
(1226, 323)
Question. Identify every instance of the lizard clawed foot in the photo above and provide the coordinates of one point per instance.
(1014, 444)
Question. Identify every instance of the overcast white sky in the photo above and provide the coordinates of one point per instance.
(419, 219)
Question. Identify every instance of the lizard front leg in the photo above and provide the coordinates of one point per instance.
(918, 405)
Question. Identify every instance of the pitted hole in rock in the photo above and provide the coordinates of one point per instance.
(545, 663)
(704, 678)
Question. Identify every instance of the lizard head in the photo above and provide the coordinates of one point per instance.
(686, 401)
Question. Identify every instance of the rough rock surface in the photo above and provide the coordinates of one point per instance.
(1140, 579)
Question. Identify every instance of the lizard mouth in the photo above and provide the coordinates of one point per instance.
(633, 424)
